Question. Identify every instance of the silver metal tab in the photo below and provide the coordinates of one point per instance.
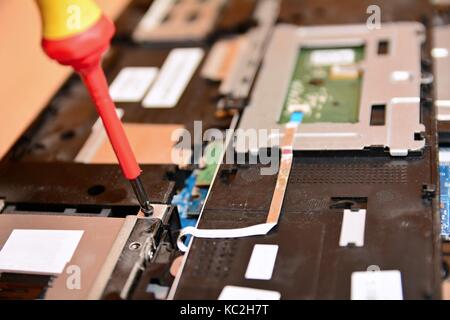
(240, 80)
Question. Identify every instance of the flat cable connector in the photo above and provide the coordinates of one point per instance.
(287, 156)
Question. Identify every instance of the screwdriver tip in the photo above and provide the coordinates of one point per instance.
(147, 209)
(142, 197)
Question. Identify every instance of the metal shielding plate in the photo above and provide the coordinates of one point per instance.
(380, 86)
(170, 20)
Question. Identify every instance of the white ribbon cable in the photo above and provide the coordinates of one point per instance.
(256, 230)
(277, 200)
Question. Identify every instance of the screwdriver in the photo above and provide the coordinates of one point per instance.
(76, 33)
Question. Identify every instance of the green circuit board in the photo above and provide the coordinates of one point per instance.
(326, 85)
(212, 159)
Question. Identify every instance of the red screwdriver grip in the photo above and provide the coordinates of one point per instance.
(95, 80)
(84, 52)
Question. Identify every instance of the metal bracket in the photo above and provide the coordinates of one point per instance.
(236, 87)
(170, 20)
(392, 79)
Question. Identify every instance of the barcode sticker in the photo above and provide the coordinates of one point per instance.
(175, 75)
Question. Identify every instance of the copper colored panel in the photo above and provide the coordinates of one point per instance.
(152, 144)
(94, 247)
(441, 54)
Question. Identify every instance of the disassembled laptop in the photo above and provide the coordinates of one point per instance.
(359, 207)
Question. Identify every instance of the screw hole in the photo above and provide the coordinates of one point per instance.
(134, 246)
(39, 146)
(419, 136)
(96, 190)
(68, 135)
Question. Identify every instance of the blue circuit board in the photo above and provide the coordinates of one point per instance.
(444, 173)
(190, 203)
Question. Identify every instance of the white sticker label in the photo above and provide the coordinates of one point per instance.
(444, 156)
(156, 14)
(353, 227)
(241, 293)
(132, 83)
(377, 285)
(174, 78)
(39, 251)
(262, 262)
(332, 57)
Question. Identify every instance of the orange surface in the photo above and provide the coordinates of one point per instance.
(152, 144)
(28, 79)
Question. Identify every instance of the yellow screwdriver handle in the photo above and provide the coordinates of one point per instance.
(66, 18)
